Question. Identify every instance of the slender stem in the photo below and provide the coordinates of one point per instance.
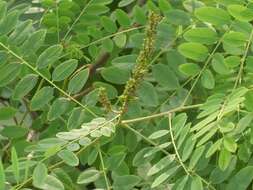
(160, 114)
(84, 92)
(175, 147)
(107, 37)
(201, 72)
(46, 79)
(103, 168)
(203, 69)
(239, 76)
(77, 19)
(112, 35)
(146, 139)
(165, 152)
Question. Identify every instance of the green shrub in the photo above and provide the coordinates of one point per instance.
(126, 94)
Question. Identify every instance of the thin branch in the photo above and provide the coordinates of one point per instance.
(201, 72)
(77, 19)
(165, 152)
(239, 76)
(146, 139)
(180, 160)
(104, 169)
(15, 120)
(99, 63)
(77, 71)
(84, 92)
(107, 37)
(161, 114)
(203, 69)
(112, 35)
(175, 147)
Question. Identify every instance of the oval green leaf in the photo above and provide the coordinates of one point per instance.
(201, 35)
(195, 51)
(69, 157)
(88, 176)
(24, 86)
(78, 81)
(215, 16)
(49, 56)
(41, 98)
(64, 70)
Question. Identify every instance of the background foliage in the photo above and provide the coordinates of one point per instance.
(126, 94)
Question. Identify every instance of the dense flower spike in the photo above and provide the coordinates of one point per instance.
(142, 62)
(104, 100)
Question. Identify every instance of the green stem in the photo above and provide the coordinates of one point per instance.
(175, 147)
(103, 168)
(201, 72)
(165, 152)
(239, 76)
(112, 35)
(77, 19)
(160, 114)
(107, 37)
(203, 69)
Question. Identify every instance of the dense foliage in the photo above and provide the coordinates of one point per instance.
(126, 94)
